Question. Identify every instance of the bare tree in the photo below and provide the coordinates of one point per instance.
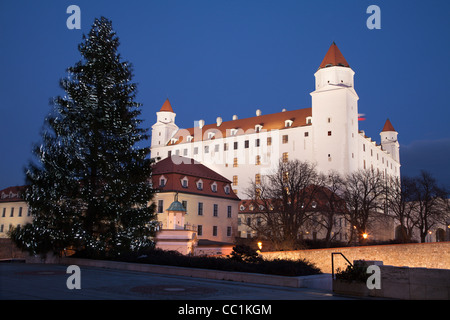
(284, 200)
(400, 204)
(431, 206)
(330, 203)
(364, 194)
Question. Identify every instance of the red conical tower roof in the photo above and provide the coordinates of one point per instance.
(388, 126)
(166, 106)
(334, 58)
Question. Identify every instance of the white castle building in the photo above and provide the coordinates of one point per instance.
(327, 134)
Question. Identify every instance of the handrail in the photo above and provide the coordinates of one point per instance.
(332, 262)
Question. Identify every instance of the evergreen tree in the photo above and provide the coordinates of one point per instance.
(91, 188)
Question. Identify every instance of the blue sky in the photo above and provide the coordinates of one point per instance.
(219, 58)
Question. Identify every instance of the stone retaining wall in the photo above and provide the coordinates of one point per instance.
(421, 255)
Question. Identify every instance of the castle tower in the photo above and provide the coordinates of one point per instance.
(389, 142)
(164, 128)
(335, 114)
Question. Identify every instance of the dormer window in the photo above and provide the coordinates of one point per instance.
(211, 135)
(189, 138)
(242, 207)
(308, 120)
(173, 140)
(184, 182)
(200, 185)
(288, 123)
(214, 187)
(258, 128)
(233, 132)
(162, 181)
(227, 189)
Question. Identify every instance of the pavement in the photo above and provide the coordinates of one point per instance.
(23, 281)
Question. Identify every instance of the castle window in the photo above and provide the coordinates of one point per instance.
(215, 210)
(285, 139)
(329, 133)
(246, 144)
(329, 120)
(200, 208)
(306, 134)
(285, 157)
(235, 162)
(269, 141)
(235, 145)
(196, 150)
(206, 149)
(257, 178)
(258, 160)
(235, 180)
(160, 206)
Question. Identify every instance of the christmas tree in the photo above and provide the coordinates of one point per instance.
(90, 188)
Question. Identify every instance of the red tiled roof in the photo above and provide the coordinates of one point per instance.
(175, 168)
(333, 58)
(388, 126)
(274, 121)
(166, 106)
(12, 194)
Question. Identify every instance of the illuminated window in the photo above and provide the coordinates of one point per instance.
(257, 178)
(235, 162)
(235, 180)
(269, 141)
(285, 157)
(258, 160)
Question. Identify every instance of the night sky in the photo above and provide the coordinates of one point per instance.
(219, 58)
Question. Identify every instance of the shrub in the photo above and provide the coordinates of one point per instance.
(355, 273)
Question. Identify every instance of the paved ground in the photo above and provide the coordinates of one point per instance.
(20, 281)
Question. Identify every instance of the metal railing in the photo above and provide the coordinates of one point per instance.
(332, 262)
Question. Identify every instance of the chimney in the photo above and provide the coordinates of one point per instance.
(284, 110)
(235, 117)
(219, 121)
(258, 112)
(201, 123)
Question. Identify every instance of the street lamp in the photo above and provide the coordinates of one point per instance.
(365, 236)
(260, 245)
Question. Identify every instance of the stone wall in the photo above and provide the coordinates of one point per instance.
(418, 255)
(8, 250)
